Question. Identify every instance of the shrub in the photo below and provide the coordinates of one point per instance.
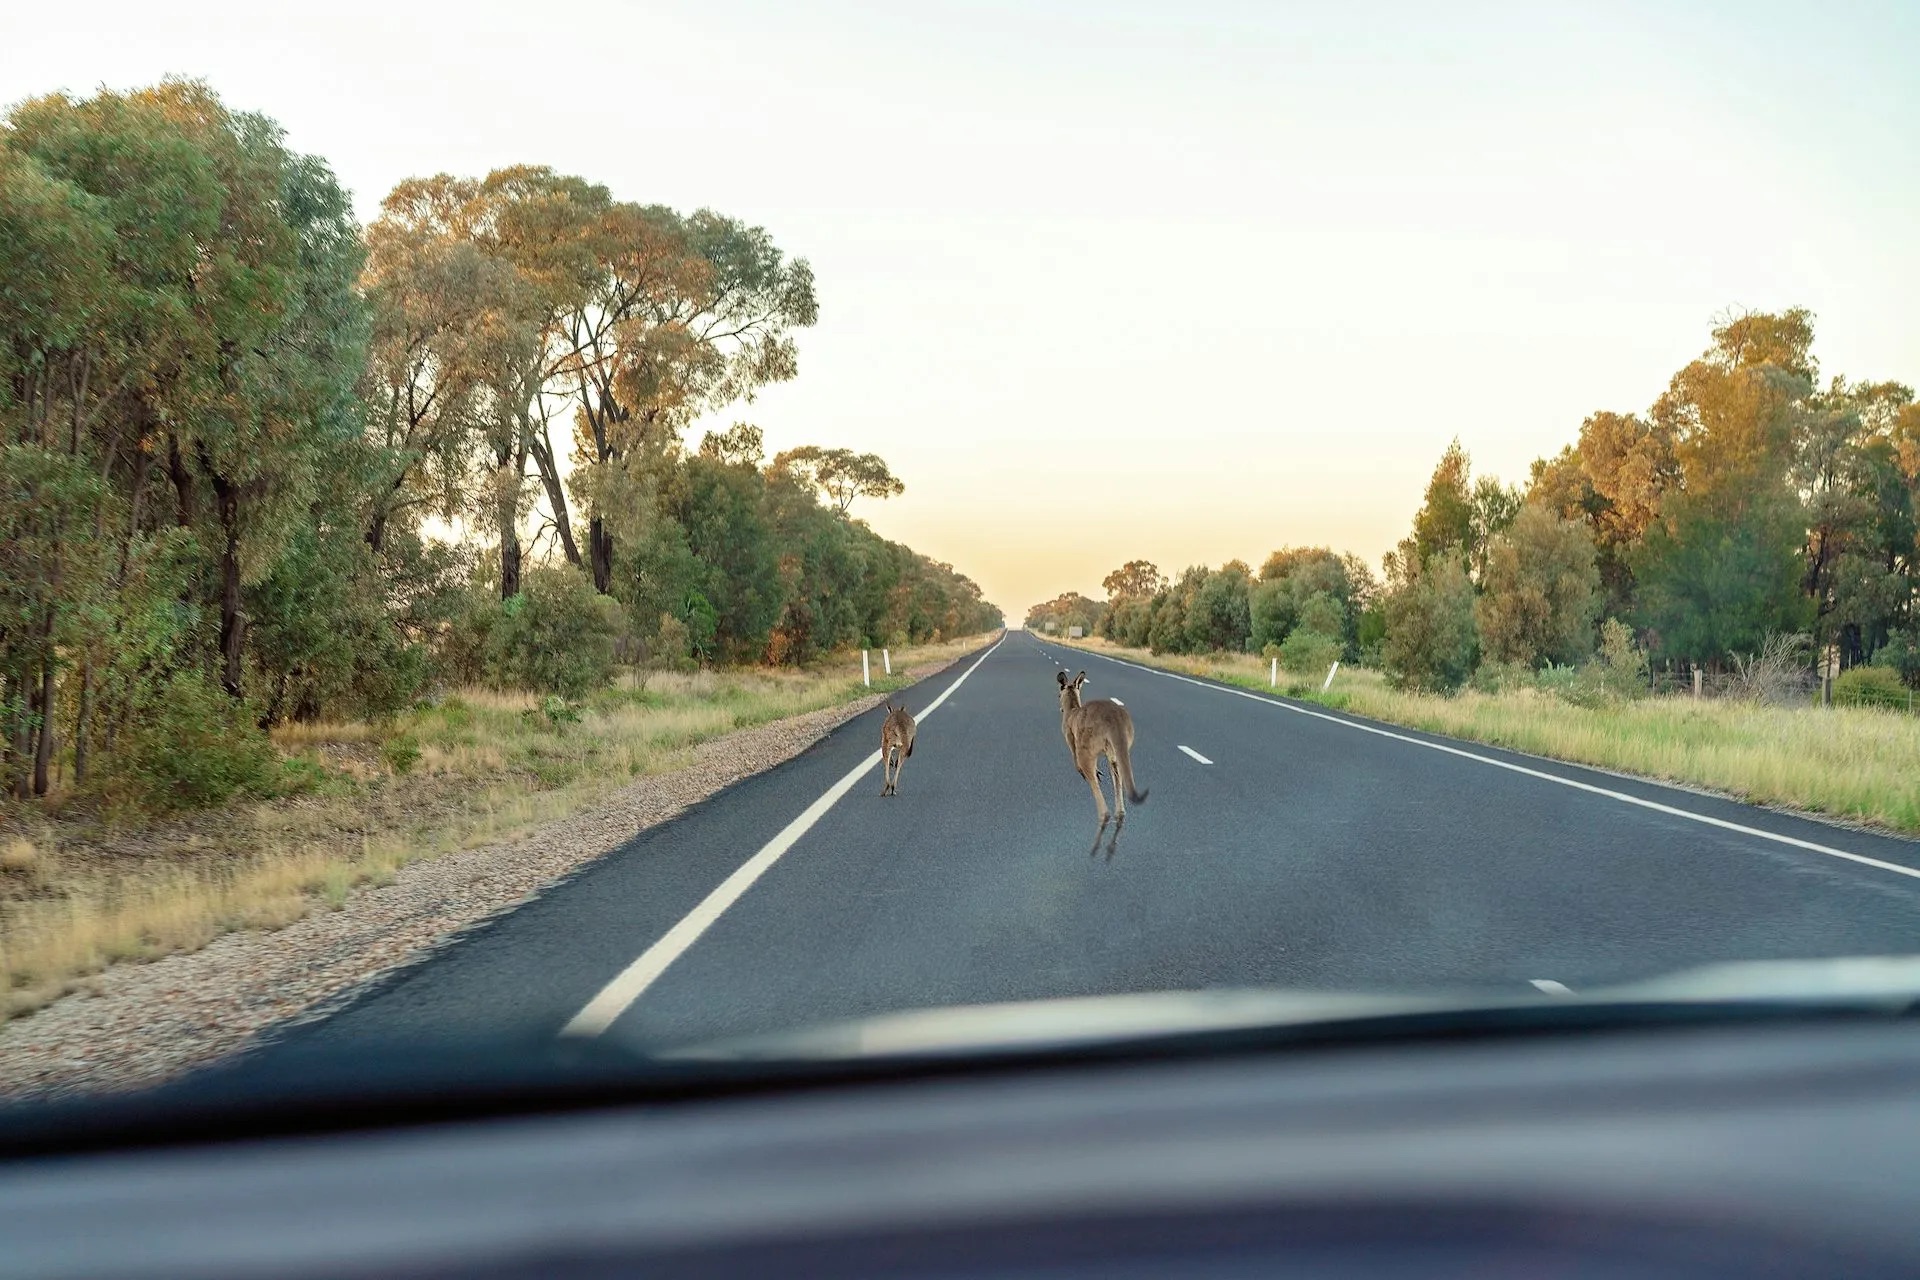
(1776, 674)
(190, 746)
(1540, 591)
(1871, 687)
(1309, 652)
(1501, 677)
(1619, 668)
(1564, 683)
(673, 650)
(401, 752)
(1431, 643)
(1901, 652)
(556, 636)
(555, 711)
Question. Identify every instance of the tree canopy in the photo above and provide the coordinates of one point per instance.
(258, 462)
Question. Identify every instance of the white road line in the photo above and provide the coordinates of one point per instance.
(1551, 987)
(1912, 873)
(632, 982)
(1118, 703)
(1196, 755)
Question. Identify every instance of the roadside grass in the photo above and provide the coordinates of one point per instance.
(1857, 764)
(78, 894)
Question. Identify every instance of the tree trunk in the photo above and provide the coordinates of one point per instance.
(80, 725)
(43, 750)
(544, 463)
(182, 483)
(509, 564)
(600, 550)
(232, 625)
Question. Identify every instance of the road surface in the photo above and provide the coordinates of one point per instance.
(1281, 845)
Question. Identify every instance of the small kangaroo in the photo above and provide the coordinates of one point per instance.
(896, 744)
(1092, 730)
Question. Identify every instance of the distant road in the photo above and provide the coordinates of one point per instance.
(1282, 845)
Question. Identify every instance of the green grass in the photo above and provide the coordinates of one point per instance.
(481, 766)
(1859, 764)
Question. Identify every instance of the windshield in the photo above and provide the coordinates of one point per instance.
(805, 515)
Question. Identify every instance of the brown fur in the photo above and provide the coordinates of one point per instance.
(1092, 730)
(896, 744)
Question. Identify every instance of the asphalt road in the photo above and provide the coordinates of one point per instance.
(1311, 850)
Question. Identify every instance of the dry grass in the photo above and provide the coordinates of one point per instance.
(76, 898)
(20, 855)
(1859, 764)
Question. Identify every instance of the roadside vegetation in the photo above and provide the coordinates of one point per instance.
(1751, 536)
(475, 766)
(327, 546)
(1858, 764)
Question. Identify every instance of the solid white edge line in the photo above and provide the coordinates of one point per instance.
(1195, 754)
(1912, 873)
(1551, 987)
(632, 982)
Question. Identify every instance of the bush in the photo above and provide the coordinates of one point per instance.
(1871, 687)
(1431, 643)
(555, 711)
(190, 746)
(556, 636)
(1901, 652)
(1540, 591)
(1619, 668)
(673, 649)
(401, 752)
(1502, 677)
(1564, 683)
(1776, 675)
(1309, 652)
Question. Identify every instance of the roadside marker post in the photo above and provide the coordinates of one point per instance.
(1328, 682)
(1273, 675)
(866, 670)
(886, 660)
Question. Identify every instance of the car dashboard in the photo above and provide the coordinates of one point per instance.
(1774, 1150)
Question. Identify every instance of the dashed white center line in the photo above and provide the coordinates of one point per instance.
(1553, 988)
(1118, 703)
(632, 982)
(1195, 754)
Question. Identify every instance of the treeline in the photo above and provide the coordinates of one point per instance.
(1751, 502)
(232, 422)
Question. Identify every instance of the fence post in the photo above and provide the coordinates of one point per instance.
(1328, 682)
(1273, 675)
(886, 660)
(1696, 682)
(866, 672)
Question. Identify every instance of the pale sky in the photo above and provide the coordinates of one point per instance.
(1183, 281)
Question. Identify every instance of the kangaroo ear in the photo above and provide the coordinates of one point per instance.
(1063, 679)
(1079, 679)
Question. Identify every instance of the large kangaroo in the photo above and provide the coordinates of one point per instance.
(1092, 730)
(896, 744)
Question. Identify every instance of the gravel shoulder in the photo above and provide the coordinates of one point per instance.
(137, 1024)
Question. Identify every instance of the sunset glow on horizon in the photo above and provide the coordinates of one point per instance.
(1181, 283)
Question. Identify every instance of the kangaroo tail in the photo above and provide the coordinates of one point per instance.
(1126, 778)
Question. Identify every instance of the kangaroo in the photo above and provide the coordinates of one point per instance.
(896, 744)
(1092, 730)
